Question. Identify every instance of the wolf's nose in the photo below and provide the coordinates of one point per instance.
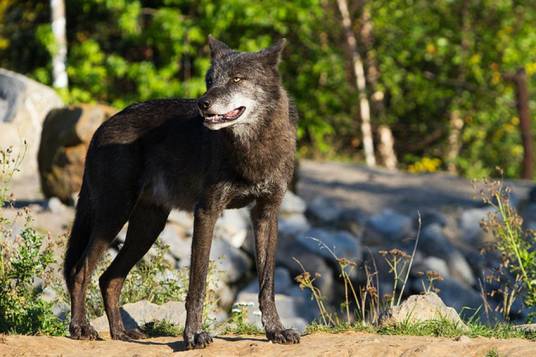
(203, 103)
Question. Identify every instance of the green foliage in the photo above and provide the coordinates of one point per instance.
(162, 328)
(437, 57)
(433, 58)
(435, 328)
(238, 322)
(23, 310)
(514, 244)
(153, 279)
(24, 259)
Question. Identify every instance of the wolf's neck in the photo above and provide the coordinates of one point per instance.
(256, 148)
(267, 126)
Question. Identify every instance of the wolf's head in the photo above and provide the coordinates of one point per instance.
(241, 86)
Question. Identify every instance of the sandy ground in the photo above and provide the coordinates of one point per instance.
(347, 344)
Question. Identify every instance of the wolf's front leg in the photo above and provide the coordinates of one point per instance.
(204, 221)
(264, 216)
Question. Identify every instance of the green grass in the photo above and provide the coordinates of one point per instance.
(434, 328)
(238, 322)
(162, 328)
(492, 353)
(243, 329)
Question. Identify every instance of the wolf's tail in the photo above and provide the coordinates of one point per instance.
(80, 234)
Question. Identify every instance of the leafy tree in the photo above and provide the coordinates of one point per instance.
(435, 58)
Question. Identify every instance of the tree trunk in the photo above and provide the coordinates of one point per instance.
(456, 122)
(359, 72)
(522, 103)
(59, 57)
(386, 147)
(454, 140)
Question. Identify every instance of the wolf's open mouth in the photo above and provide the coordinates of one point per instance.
(222, 118)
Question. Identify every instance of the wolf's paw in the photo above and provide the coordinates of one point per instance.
(198, 340)
(286, 337)
(83, 331)
(129, 335)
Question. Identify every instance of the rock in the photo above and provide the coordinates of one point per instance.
(341, 243)
(429, 217)
(433, 242)
(290, 251)
(459, 296)
(323, 211)
(138, 314)
(532, 194)
(460, 269)
(292, 225)
(436, 264)
(294, 311)
(420, 308)
(54, 205)
(387, 226)
(183, 219)
(233, 226)
(179, 244)
(226, 295)
(470, 220)
(292, 204)
(283, 283)
(231, 261)
(64, 142)
(24, 104)
(352, 220)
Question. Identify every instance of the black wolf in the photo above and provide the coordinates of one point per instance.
(233, 146)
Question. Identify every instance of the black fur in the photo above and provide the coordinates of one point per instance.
(158, 155)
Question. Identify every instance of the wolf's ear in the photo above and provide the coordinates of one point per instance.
(217, 48)
(272, 55)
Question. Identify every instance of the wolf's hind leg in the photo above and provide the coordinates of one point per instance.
(107, 218)
(101, 237)
(264, 217)
(145, 224)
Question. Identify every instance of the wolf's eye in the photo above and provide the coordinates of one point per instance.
(237, 79)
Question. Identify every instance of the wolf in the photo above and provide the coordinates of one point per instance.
(232, 147)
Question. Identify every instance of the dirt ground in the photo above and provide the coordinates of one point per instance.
(320, 344)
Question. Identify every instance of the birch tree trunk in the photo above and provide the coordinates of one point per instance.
(59, 57)
(359, 72)
(454, 140)
(386, 146)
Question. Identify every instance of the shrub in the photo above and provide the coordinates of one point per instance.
(23, 257)
(513, 243)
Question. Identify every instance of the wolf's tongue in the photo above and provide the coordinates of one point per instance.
(232, 113)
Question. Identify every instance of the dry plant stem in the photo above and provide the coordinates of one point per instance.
(394, 269)
(316, 294)
(347, 305)
(412, 257)
(487, 307)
